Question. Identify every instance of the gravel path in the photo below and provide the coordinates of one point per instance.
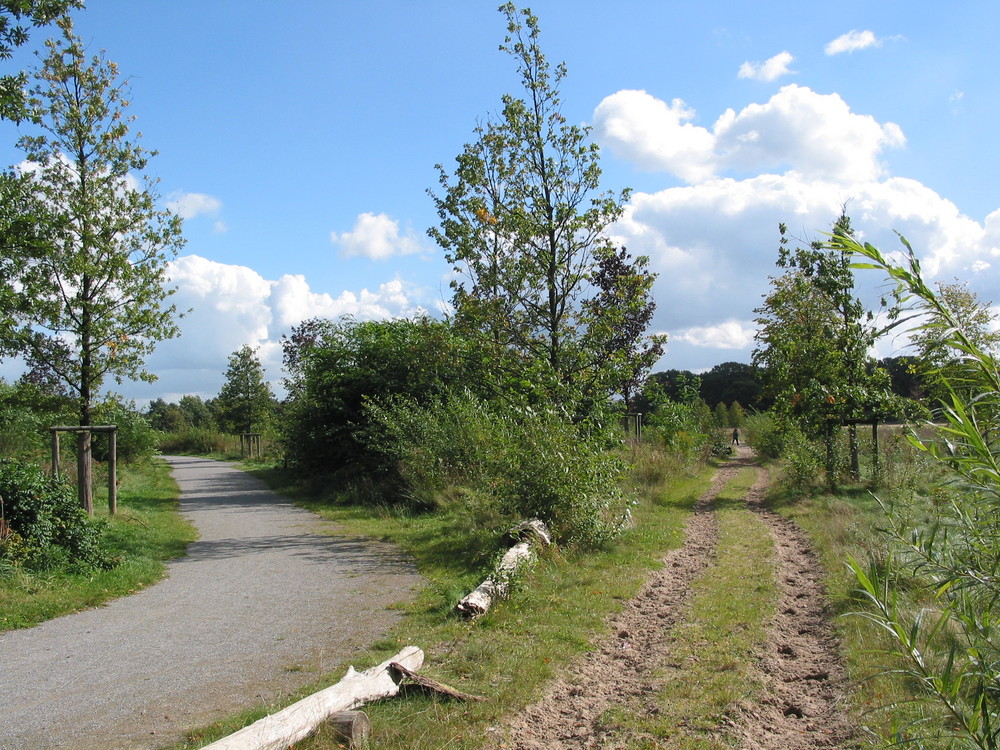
(263, 602)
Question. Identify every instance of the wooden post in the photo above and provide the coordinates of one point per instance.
(113, 471)
(55, 453)
(84, 472)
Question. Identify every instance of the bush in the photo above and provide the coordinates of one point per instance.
(765, 434)
(804, 470)
(195, 440)
(135, 438)
(514, 463)
(45, 527)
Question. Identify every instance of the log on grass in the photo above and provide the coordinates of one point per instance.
(479, 601)
(293, 724)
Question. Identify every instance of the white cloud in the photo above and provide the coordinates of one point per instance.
(191, 205)
(852, 41)
(797, 129)
(769, 70)
(232, 306)
(378, 237)
(730, 334)
(796, 159)
(655, 136)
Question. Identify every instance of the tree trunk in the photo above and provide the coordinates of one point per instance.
(84, 488)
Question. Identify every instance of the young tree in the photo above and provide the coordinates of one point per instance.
(87, 289)
(948, 652)
(245, 402)
(813, 341)
(561, 311)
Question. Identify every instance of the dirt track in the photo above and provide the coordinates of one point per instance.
(800, 664)
(264, 602)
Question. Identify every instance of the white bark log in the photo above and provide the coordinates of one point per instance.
(293, 724)
(495, 586)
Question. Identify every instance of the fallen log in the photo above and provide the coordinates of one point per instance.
(497, 584)
(433, 685)
(296, 722)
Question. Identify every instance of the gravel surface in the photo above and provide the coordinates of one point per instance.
(264, 602)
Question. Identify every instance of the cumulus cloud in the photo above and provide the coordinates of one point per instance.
(769, 70)
(230, 306)
(797, 129)
(852, 41)
(797, 159)
(192, 205)
(376, 236)
(730, 334)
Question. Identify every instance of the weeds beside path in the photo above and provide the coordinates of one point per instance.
(726, 645)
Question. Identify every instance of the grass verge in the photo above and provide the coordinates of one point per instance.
(146, 531)
(508, 654)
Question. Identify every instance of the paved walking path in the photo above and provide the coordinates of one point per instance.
(262, 604)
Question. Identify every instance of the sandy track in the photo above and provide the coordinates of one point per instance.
(800, 664)
(263, 602)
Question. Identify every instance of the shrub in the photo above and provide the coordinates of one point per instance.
(513, 462)
(195, 440)
(764, 433)
(135, 438)
(45, 526)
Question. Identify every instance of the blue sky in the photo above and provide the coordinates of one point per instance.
(299, 140)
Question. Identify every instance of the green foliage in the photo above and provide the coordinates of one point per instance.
(15, 18)
(948, 648)
(766, 434)
(804, 462)
(135, 438)
(510, 463)
(85, 250)
(245, 403)
(44, 525)
(813, 341)
(560, 311)
(336, 366)
(195, 440)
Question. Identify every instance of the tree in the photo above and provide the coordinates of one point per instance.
(336, 367)
(15, 17)
(729, 382)
(560, 310)
(813, 341)
(87, 289)
(940, 363)
(245, 402)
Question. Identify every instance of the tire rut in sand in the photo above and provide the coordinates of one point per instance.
(801, 667)
(801, 704)
(623, 665)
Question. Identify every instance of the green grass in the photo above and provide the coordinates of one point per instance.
(507, 655)
(714, 648)
(146, 531)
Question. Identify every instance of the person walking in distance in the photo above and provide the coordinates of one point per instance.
(736, 436)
